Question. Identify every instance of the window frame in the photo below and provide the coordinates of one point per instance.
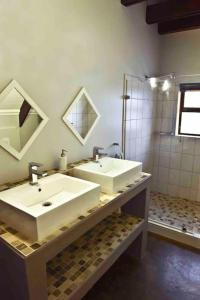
(184, 87)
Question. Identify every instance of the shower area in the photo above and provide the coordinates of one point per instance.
(148, 135)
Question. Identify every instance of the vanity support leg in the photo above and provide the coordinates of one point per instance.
(36, 278)
(26, 277)
(146, 214)
(139, 206)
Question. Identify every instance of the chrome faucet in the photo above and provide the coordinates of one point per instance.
(34, 173)
(97, 154)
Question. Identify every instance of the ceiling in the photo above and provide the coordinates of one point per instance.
(171, 15)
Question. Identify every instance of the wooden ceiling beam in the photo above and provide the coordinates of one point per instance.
(172, 10)
(130, 2)
(179, 25)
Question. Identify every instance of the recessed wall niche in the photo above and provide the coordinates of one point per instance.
(21, 120)
(82, 116)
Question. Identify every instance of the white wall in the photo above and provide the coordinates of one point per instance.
(177, 161)
(180, 52)
(55, 47)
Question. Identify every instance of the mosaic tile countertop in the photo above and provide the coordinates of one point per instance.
(175, 212)
(73, 266)
(27, 247)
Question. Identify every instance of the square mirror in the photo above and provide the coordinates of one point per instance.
(21, 120)
(82, 116)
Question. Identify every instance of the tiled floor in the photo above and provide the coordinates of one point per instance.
(175, 212)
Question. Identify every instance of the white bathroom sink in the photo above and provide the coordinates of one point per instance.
(37, 211)
(111, 173)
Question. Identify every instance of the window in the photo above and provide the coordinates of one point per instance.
(188, 114)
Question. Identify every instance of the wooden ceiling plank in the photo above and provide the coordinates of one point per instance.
(179, 25)
(130, 2)
(172, 10)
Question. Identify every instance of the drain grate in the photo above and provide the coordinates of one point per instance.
(184, 228)
(47, 204)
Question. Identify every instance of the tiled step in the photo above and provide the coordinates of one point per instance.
(175, 213)
(175, 218)
(75, 270)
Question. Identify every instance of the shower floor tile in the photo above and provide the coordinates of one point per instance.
(175, 213)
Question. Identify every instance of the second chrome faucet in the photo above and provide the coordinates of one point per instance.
(34, 173)
(97, 154)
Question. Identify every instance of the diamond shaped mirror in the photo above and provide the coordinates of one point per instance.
(21, 120)
(82, 116)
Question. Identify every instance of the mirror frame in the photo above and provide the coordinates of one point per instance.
(69, 110)
(19, 154)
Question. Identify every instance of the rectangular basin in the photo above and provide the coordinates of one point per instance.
(37, 211)
(111, 173)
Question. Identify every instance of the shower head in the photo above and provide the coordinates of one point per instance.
(163, 80)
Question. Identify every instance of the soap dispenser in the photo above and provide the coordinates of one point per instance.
(63, 160)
